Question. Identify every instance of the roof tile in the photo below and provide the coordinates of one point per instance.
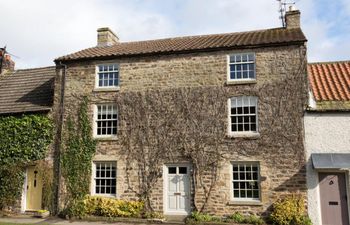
(330, 81)
(27, 90)
(191, 43)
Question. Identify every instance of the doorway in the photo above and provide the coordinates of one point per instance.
(177, 189)
(333, 197)
(34, 188)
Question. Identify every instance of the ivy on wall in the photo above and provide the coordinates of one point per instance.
(23, 139)
(79, 149)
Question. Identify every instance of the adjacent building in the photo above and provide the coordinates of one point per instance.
(25, 92)
(327, 138)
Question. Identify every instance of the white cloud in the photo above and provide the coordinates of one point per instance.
(40, 30)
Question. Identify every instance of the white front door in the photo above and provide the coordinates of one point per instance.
(177, 190)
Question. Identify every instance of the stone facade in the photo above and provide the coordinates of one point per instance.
(281, 157)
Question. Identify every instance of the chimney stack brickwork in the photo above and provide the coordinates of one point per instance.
(292, 19)
(106, 37)
(6, 63)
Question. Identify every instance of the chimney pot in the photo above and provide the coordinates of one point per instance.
(292, 18)
(106, 37)
(6, 63)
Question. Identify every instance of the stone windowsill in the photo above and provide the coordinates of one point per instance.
(106, 138)
(248, 135)
(252, 203)
(237, 82)
(107, 89)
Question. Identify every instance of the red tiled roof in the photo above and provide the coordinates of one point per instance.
(192, 44)
(330, 81)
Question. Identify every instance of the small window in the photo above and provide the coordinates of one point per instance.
(106, 120)
(105, 178)
(182, 170)
(242, 67)
(172, 170)
(243, 114)
(107, 76)
(246, 181)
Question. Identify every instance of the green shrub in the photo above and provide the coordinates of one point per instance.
(289, 211)
(103, 206)
(203, 217)
(251, 219)
(237, 217)
(154, 215)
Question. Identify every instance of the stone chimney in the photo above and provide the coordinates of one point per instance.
(6, 63)
(292, 18)
(106, 37)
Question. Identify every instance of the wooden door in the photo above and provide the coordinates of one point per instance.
(178, 189)
(334, 206)
(34, 189)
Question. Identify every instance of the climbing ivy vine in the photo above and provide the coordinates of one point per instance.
(79, 148)
(23, 139)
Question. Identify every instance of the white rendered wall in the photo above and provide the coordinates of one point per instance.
(324, 133)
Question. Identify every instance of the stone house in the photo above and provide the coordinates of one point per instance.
(27, 92)
(327, 142)
(262, 77)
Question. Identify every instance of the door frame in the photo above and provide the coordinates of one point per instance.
(24, 193)
(346, 173)
(165, 188)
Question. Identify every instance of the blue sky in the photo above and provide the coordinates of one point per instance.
(37, 31)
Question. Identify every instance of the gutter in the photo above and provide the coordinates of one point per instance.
(58, 140)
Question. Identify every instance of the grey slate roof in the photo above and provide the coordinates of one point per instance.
(28, 90)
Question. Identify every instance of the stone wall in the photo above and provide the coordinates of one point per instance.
(278, 149)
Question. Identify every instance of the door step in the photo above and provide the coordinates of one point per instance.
(175, 218)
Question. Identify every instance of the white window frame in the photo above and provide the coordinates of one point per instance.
(95, 111)
(229, 70)
(242, 133)
(93, 179)
(255, 200)
(97, 87)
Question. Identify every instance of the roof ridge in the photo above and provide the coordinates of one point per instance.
(329, 62)
(36, 68)
(198, 35)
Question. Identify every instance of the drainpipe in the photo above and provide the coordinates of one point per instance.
(58, 140)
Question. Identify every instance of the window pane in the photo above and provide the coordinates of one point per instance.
(256, 194)
(245, 74)
(238, 58)
(182, 170)
(246, 110)
(253, 127)
(251, 57)
(172, 170)
(251, 74)
(233, 110)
